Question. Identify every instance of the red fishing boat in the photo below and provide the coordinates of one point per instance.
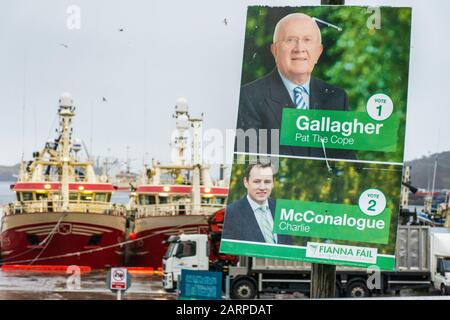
(63, 214)
(176, 197)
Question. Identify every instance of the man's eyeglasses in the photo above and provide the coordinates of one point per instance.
(294, 42)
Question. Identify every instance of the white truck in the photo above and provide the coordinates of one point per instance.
(440, 259)
(187, 251)
(422, 261)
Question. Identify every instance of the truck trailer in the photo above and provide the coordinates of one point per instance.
(422, 261)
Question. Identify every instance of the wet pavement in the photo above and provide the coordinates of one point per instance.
(91, 286)
(23, 285)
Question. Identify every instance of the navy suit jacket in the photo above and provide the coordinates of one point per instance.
(241, 224)
(261, 104)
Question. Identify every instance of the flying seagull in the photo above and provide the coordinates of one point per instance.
(64, 45)
(103, 99)
(225, 21)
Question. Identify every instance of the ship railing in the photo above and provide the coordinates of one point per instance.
(171, 182)
(57, 178)
(41, 206)
(176, 209)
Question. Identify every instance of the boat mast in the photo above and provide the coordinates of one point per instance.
(182, 124)
(404, 200)
(434, 177)
(428, 203)
(197, 164)
(66, 112)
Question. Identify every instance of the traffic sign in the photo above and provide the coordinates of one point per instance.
(118, 279)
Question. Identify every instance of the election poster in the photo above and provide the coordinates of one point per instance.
(320, 135)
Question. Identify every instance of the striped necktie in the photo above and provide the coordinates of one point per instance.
(266, 224)
(298, 96)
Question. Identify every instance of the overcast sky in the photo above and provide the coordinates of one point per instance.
(168, 49)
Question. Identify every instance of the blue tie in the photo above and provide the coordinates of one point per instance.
(298, 96)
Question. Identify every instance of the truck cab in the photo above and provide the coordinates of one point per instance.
(442, 275)
(440, 259)
(184, 252)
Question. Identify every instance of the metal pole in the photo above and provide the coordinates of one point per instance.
(227, 287)
(178, 289)
(323, 276)
(323, 279)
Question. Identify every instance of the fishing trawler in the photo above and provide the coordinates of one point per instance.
(125, 180)
(176, 197)
(63, 214)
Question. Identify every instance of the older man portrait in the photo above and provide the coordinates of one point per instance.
(296, 49)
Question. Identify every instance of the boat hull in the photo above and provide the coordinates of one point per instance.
(71, 239)
(149, 249)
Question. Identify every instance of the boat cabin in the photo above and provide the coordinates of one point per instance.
(46, 196)
(177, 199)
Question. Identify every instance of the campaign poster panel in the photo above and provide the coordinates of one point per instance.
(353, 98)
(339, 212)
(323, 103)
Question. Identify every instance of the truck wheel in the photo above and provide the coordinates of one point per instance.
(243, 289)
(443, 290)
(357, 289)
